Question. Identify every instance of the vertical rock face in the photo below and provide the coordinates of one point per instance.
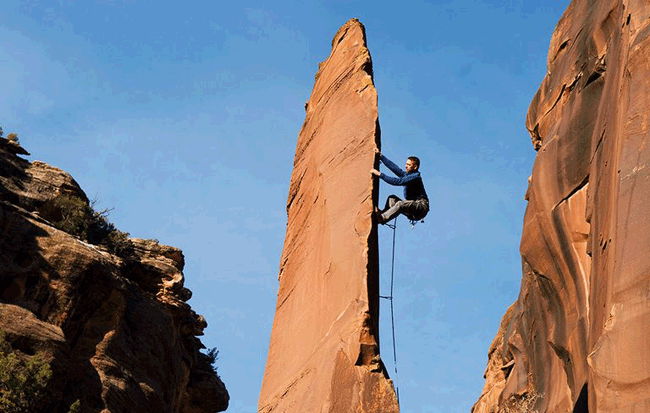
(324, 351)
(576, 338)
(116, 330)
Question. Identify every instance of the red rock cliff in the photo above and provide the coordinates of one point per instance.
(114, 326)
(324, 351)
(576, 338)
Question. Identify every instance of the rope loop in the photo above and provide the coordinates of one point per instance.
(393, 226)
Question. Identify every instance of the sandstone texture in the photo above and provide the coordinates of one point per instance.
(576, 338)
(324, 349)
(116, 330)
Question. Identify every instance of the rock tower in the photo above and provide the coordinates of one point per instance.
(324, 350)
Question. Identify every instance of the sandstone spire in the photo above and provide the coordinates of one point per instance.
(324, 351)
(576, 339)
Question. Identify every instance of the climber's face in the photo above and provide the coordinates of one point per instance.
(410, 166)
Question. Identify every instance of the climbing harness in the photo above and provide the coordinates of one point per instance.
(393, 226)
(415, 222)
(412, 220)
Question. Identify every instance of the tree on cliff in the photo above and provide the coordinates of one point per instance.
(22, 379)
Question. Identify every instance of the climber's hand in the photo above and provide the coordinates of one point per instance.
(375, 172)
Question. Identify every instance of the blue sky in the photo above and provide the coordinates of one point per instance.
(183, 117)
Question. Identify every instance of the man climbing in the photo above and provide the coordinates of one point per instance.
(416, 205)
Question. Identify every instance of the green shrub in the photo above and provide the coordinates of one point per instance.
(207, 362)
(75, 407)
(75, 215)
(80, 219)
(22, 379)
(213, 356)
(12, 136)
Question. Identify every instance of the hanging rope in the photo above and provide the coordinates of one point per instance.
(393, 226)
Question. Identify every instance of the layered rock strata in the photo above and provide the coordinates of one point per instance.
(324, 350)
(116, 330)
(575, 340)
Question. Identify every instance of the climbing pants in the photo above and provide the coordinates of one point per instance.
(413, 210)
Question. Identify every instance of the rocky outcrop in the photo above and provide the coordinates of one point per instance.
(116, 330)
(324, 350)
(575, 340)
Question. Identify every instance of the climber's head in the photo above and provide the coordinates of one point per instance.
(412, 164)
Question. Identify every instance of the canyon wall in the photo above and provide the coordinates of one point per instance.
(324, 349)
(107, 313)
(575, 339)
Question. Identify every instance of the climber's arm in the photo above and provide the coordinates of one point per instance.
(402, 180)
(392, 166)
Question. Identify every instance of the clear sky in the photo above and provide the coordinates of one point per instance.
(183, 117)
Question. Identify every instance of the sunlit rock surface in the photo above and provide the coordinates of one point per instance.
(324, 352)
(576, 339)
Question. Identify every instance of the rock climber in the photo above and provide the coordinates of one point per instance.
(416, 205)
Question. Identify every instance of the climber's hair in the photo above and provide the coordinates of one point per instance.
(415, 160)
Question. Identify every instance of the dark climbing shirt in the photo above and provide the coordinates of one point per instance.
(412, 182)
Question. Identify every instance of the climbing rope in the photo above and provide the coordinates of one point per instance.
(393, 226)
